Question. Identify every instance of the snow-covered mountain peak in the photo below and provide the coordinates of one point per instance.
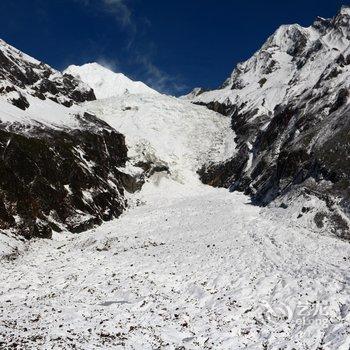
(345, 10)
(288, 38)
(32, 92)
(281, 68)
(92, 67)
(107, 83)
(289, 106)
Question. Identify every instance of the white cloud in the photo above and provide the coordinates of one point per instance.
(142, 53)
(111, 64)
(118, 8)
(158, 79)
(121, 10)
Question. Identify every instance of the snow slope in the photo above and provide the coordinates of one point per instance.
(186, 267)
(106, 83)
(45, 113)
(32, 94)
(29, 77)
(168, 132)
(195, 268)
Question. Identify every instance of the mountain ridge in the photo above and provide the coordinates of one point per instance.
(60, 167)
(289, 105)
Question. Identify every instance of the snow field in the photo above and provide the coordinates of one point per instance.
(201, 268)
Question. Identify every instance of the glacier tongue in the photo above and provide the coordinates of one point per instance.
(187, 266)
(164, 131)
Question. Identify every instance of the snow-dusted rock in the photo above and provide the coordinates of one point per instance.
(289, 106)
(27, 76)
(61, 168)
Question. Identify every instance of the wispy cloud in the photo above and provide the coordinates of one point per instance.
(158, 79)
(122, 12)
(111, 64)
(141, 52)
(119, 8)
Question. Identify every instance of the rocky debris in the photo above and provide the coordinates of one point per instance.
(222, 108)
(20, 101)
(290, 108)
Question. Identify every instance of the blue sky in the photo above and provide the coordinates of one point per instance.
(172, 45)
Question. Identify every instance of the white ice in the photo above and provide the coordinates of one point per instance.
(185, 267)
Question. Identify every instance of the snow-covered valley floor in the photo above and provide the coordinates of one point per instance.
(195, 268)
(185, 267)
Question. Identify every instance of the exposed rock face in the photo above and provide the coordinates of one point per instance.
(290, 111)
(60, 180)
(60, 167)
(20, 72)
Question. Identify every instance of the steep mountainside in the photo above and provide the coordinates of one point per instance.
(106, 83)
(63, 163)
(289, 105)
(22, 75)
(59, 166)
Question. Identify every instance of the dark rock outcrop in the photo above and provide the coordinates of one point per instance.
(60, 180)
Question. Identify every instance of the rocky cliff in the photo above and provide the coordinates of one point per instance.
(289, 105)
(60, 167)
